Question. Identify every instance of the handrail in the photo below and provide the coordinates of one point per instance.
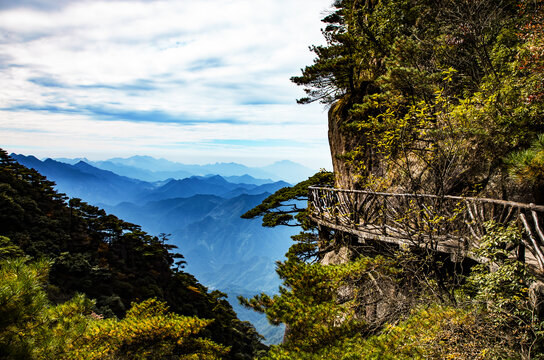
(529, 206)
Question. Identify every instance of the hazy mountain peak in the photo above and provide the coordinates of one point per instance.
(285, 162)
(216, 178)
(32, 157)
(72, 161)
(82, 163)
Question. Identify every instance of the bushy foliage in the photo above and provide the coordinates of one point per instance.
(430, 332)
(8, 250)
(31, 327)
(318, 304)
(528, 165)
(500, 285)
(288, 207)
(148, 331)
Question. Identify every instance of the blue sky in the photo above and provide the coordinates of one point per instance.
(191, 81)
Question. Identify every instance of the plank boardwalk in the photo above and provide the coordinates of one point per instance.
(449, 224)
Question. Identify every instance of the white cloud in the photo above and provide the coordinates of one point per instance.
(206, 60)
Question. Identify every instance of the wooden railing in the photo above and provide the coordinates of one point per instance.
(449, 224)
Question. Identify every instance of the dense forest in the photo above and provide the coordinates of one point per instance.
(426, 97)
(78, 283)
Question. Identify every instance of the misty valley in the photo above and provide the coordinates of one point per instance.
(199, 213)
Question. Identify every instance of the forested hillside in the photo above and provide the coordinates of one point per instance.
(53, 250)
(425, 97)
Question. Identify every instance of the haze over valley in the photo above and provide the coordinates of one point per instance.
(198, 209)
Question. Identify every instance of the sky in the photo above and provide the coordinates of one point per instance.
(198, 81)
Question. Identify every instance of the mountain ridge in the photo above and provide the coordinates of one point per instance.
(150, 169)
(105, 187)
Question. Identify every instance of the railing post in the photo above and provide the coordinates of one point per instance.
(356, 209)
(336, 201)
(311, 206)
(384, 215)
(521, 253)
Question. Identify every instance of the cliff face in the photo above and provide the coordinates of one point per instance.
(342, 143)
(353, 159)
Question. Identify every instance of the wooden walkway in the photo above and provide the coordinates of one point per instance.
(449, 224)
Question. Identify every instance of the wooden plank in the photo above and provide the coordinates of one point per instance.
(452, 246)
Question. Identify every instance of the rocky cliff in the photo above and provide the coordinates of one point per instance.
(351, 159)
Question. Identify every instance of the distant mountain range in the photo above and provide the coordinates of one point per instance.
(147, 168)
(202, 216)
(104, 187)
